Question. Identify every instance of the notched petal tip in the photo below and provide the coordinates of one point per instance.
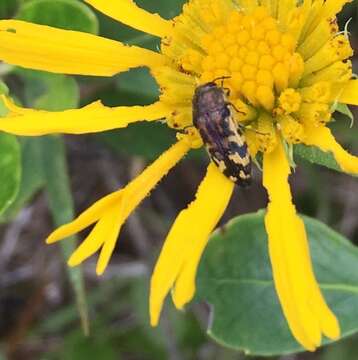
(116, 220)
(332, 330)
(110, 212)
(181, 301)
(178, 261)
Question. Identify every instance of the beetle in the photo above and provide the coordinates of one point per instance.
(223, 139)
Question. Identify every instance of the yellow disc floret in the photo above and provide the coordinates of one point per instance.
(278, 68)
(252, 50)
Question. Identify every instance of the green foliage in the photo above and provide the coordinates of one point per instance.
(55, 171)
(129, 337)
(138, 86)
(32, 178)
(61, 92)
(167, 9)
(235, 278)
(345, 110)
(346, 349)
(94, 347)
(4, 90)
(316, 156)
(10, 162)
(52, 92)
(64, 14)
(142, 139)
(10, 169)
(8, 8)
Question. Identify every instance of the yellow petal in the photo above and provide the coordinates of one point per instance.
(113, 210)
(127, 12)
(306, 312)
(88, 217)
(329, 10)
(94, 240)
(92, 118)
(136, 191)
(271, 5)
(285, 8)
(114, 227)
(69, 52)
(322, 138)
(186, 241)
(213, 207)
(346, 93)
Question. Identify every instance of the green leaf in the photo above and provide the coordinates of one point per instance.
(345, 110)
(51, 92)
(235, 278)
(346, 349)
(167, 9)
(139, 84)
(316, 156)
(8, 8)
(62, 93)
(4, 90)
(98, 346)
(64, 14)
(32, 178)
(10, 169)
(142, 139)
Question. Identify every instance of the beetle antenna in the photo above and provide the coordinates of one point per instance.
(222, 78)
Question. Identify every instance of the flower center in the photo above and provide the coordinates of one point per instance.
(259, 59)
(274, 79)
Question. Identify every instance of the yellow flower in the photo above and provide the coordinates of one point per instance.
(287, 66)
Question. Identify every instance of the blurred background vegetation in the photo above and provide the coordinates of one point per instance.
(44, 309)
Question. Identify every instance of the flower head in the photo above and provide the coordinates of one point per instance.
(286, 67)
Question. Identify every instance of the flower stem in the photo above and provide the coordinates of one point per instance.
(62, 209)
